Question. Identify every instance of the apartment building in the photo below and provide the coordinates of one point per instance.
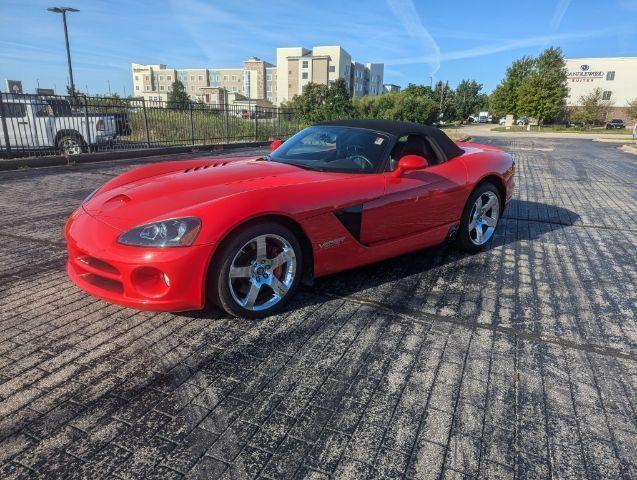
(259, 80)
(271, 83)
(154, 82)
(390, 87)
(298, 66)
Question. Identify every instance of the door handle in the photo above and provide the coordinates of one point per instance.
(23, 123)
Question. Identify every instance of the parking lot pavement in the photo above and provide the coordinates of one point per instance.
(520, 361)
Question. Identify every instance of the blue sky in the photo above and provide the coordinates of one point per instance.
(449, 40)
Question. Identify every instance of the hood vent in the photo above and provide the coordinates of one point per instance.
(204, 167)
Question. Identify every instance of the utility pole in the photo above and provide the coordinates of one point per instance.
(63, 11)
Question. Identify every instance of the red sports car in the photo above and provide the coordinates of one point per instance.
(244, 232)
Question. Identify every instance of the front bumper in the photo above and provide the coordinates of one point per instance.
(162, 279)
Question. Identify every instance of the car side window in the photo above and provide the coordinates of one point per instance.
(15, 110)
(44, 111)
(415, 144)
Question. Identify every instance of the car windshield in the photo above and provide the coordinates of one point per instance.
(334, 149)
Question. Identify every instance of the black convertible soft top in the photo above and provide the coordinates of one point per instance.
(398, 129)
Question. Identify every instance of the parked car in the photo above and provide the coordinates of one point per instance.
(522, 121)
(245, 232)
(615, 123)
(502, 121)
(62, 108)
(35, 123)
(484, 117)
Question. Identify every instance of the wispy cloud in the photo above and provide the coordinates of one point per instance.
(405, 11)
(499, 47)
(558, 13)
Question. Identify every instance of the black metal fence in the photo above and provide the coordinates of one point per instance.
(33, 125)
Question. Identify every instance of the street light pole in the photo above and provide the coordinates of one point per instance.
(63, 11)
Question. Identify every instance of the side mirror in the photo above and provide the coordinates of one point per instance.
(410, 162)
(276, 143)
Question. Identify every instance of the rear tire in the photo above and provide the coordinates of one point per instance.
(256, 270)
(480, 218)
(71, 144)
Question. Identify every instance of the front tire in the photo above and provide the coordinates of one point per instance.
(480, 218)
(256, 270)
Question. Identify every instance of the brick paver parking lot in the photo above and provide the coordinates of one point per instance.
(519, 361)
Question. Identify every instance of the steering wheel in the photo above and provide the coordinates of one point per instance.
(362, 161)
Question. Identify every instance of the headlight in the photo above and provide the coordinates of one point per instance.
(174, 232)
(89, 196)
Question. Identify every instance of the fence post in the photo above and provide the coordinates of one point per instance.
(192, 127)
(4, 125)
(88, 126)
(226, 125)
(256, 124)
(146, 123)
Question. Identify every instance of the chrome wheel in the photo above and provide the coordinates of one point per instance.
(262, 272)
(71, 146)
(484, 218)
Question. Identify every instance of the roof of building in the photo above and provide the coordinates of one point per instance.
(398, 129)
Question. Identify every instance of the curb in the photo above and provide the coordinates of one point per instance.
(612, 140)
(53, 160)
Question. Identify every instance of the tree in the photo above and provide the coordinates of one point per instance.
(542, 93)
(444, 96)
(505, 98)
(467, 99)
(592, 108)
(418, 90)
(177, 97)
(416, 108)
(320, 102)
(631, 110)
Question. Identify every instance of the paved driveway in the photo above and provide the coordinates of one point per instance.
(520, 361)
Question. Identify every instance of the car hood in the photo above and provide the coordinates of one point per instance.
(162, 195)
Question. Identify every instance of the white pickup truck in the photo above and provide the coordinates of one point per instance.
(40, 123)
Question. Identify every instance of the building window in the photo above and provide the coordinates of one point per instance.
(147, 87)
(136, 87)
(304, 64)
(268, 77)
(161, 78)
(234, 89)
(610, 75)
(225, 78)
(146, 77)
(161, 87)
(169, 77)
(201, 78)
(606, 95)
(234, 78)
(332, 68)
(304, 75)
(192, 78)
(136, 78)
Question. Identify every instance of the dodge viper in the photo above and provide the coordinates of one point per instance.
(244, 232)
